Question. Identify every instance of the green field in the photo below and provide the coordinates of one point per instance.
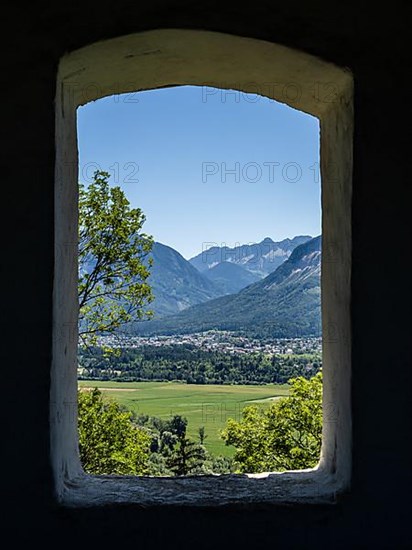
(202, 405)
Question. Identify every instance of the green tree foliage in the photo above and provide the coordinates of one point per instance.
(286, 436)
(173, 453)
(187, 456)
(109, 443)
(112, 272)
(202, 435)
(218, 465)
(197, 366)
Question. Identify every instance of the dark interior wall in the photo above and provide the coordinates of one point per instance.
(374, 45)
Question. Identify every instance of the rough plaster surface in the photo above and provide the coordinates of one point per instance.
(176, 57)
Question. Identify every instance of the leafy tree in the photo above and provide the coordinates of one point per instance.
(166, 452)
(112, 283)
(218, 465)
(109, 443)
(172, 452)
(286, 436)
(158, 466)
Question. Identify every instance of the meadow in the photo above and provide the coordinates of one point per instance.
(203, 405)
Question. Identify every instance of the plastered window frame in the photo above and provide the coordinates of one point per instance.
(172, 57)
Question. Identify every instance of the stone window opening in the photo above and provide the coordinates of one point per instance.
(162, 58)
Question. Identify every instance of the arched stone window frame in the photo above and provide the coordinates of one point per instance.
(173, 57)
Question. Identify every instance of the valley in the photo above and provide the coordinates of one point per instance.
(230, 328)
(284, 304)
(208, 406)
(179, 284)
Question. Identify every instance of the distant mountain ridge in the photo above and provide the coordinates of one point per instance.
(175, 283)
(286, 303)
(258, 258)
(230, 277)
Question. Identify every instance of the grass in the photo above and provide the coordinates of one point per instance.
(203, 405)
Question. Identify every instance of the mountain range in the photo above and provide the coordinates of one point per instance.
(285, 303)
(179, 284)
(258, 258)
(229, 278)
(176, 284)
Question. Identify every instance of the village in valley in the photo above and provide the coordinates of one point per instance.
(223, 341)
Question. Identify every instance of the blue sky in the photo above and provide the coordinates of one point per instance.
(206, 165)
